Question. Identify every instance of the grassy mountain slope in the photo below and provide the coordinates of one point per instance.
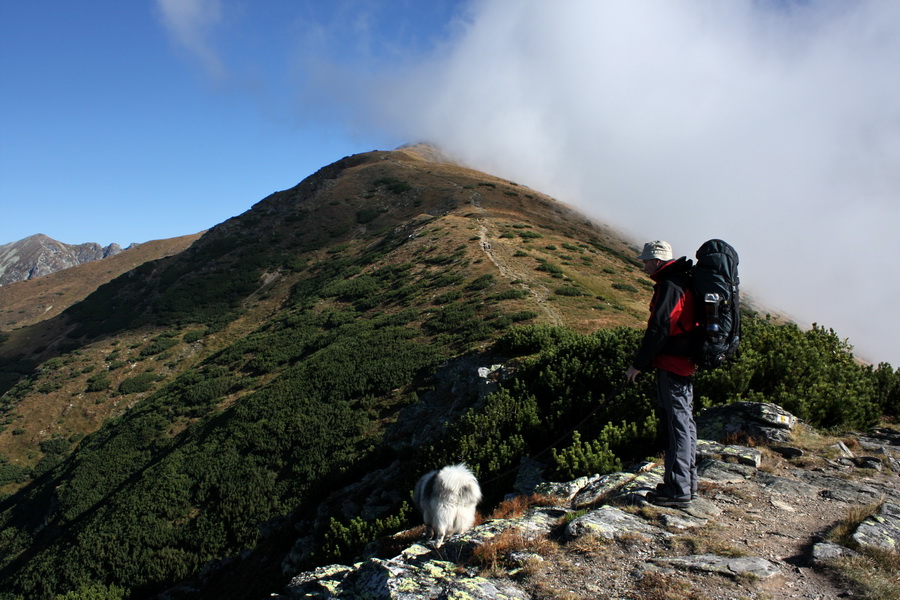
(187, 402)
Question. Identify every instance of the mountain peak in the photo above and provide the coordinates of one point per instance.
(39, 254)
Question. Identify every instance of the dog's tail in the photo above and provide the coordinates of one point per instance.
(460, 483)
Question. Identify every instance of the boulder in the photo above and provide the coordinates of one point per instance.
(757, 420)
(881, 530)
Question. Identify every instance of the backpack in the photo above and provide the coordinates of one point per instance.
(715, 281)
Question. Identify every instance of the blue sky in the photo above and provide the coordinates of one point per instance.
(129, 121)
(773, 124)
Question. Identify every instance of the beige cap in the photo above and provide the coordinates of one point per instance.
(658, 249)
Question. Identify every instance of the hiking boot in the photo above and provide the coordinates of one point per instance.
(660, 490)
(669, 501)
(659, 497)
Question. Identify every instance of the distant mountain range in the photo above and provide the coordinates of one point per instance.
(26, 302)
(39, 255)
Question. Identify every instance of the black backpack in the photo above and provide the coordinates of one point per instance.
(715, 284)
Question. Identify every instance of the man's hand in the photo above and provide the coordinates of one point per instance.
(632, 374)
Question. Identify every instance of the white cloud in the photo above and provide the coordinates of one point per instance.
(773, 125)
(191, 24)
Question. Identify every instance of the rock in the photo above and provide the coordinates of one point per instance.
(881, 530)
(410, 576)
(323, 582)
(529, 475)
(38, 255)
(867, 462)
(838, 488)
(717, 471)
(785, 486)
(758, 420)
(702, 508)
(536, 523)
(823, 552)
(781, 505)
(787, 451)
(610, 523)
(600, 488)
(710, 563)
(743, 455)
(842, 449)
(565, 490)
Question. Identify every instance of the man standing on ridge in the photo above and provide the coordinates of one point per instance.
(667, 347)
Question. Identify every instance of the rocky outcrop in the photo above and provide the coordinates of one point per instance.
(39, 255)
(759, 421)
(881, 530)
(614, 508)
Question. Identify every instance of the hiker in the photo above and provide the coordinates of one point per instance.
(667, 347)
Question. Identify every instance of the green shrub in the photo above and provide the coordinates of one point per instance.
(99, 382)
(193, 336)
(448, 297)
(393, 185)
(811, 373)
(625, 287)
(451, 317)
(585, 457)
(55, 446)
(513, 294)
(570, 290)
(367, 215)
(95, 592)
(549, 268)
(887, 389)
(345, 542)
(350, 289)
(481, 283)
(158, 345)
(138, 383)
(12, 473)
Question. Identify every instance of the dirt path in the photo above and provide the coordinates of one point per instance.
(501, 256)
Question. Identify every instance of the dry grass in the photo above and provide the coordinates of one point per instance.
(519, 505)
(711, 541)
(590, 544)
(658, 586)
(742, 438)
(874, 573)
(840, 533)
(494, 557)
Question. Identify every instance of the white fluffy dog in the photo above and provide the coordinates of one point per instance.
(447, 499)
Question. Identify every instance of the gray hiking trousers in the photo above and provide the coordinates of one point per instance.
(675, 394)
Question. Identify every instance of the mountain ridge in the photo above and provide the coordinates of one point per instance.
(38, 255)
